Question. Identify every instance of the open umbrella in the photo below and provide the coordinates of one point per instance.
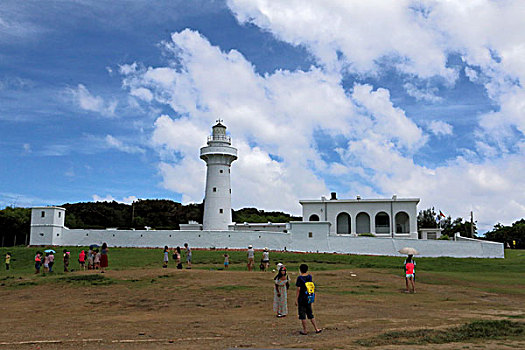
(408, 251)
(49, 251)
(93, 246)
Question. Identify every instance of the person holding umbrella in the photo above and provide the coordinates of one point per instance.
(410, 269)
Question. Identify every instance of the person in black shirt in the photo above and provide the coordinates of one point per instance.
(301, 299)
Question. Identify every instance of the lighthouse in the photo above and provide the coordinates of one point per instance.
(218, 155)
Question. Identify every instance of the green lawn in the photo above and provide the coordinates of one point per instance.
(503, 271)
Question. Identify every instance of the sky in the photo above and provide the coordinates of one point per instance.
(113, 100)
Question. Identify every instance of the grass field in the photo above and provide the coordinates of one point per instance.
(460, 303)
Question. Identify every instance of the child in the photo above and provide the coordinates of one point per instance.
(166, 257)
(7, 261)
(82, 260)
(301, 299)
(96, 260)
(66, 260)
(226, 261)
(38, 262)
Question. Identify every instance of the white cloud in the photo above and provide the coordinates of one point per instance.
(89, 102)
(280, 115)
(110, 198)
(422, 94)
(440, 128)
(113, 142)
(27, 147)
(276, 114)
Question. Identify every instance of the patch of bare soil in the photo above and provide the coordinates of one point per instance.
(197, 309)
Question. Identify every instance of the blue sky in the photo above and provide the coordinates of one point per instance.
(113, 101)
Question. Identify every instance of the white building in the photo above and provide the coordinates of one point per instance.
(218, 155)
(395, 217)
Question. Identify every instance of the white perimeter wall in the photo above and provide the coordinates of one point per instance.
(298, 240)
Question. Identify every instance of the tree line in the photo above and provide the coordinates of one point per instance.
(514, 234)
(161, 214)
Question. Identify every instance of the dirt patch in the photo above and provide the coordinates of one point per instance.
(198, 309)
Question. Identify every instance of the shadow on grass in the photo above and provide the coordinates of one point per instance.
(470, 331)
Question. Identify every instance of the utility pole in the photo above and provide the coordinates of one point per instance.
(471, 224)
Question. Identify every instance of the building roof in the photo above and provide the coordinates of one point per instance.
(370, 200)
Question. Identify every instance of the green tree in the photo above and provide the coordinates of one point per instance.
(427, 218)
(508, 234)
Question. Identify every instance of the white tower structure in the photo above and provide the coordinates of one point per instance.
(47, 223)
(218, 155)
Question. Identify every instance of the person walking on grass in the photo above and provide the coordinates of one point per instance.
(280, 292)
(251, 257)
(104, 257)
(66, 260)
(166, 257)
(303, 301)
(188, 256)
(7, 261)
(410, 274)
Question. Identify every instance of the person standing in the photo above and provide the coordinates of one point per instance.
(410, 274)
(251, 257)
(188, 255)
(166, 257)
(304, 306)
(280, 292)
(266, 259)
(51, 261)
(7, 261)
(66, 260)
(226, 261)
(46, 263)
(177, 258)
(38, 262)
(91, 259)
(104, 257)
(96, 259)
(82, 260)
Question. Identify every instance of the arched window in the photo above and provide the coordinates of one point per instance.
(343, 223)
(362, 223)
(314, 217)
(402, 222)
(382, 222)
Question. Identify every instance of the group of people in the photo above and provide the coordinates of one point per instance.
(304, 296)
(265, 260)
(176, 256)
(96, 260)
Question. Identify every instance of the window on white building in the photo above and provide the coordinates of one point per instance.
(220, 211)
(43, 214)
(382, 223)
(362, 223)
(343, 223)
(314, 217)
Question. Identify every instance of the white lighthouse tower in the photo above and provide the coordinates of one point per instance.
(218, 155)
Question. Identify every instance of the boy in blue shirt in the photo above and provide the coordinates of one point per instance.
(301, 300)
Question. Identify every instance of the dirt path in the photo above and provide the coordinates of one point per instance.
(197, 309)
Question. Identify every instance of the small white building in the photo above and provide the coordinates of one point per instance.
(394, 218)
